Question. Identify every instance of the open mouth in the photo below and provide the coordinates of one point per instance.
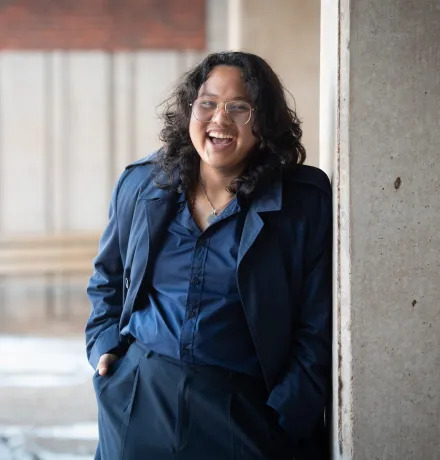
(220, 139)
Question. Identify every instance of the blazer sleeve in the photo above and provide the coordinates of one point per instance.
(105, 290)
(301, 394)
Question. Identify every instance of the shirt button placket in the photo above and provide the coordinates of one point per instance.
(193, 299)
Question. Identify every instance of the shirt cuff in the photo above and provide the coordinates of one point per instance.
(107, 341)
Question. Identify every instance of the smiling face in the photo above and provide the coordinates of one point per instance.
(221, 143)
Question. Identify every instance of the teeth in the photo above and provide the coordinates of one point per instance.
(221, 135)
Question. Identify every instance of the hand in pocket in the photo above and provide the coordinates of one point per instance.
(105, 361)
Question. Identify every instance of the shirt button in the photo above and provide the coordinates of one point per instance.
(195, 280)
(127, 283)
(186, 348)
(191, 314)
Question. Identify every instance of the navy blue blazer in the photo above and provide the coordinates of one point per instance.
(283, 275)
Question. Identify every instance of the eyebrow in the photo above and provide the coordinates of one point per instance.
(237, 98)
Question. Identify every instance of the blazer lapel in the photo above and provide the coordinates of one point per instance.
(155, 211)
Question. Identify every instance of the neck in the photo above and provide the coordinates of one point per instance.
(216, 182)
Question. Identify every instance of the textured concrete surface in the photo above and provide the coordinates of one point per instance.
(394, 178)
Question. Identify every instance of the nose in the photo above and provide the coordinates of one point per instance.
(221, 117)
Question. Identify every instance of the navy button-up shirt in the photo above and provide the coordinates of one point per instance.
(193, 310)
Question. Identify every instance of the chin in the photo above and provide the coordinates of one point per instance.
(209, 152)
(217, 163)
(211, 157)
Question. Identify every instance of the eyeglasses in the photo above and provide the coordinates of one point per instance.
(239, 112)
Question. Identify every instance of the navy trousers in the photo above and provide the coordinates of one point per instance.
(151, 407)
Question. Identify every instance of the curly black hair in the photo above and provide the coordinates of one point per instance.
(275, 124)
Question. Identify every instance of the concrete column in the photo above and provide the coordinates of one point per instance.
(387, 251)
(286, 34)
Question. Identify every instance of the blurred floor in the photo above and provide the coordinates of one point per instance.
(47, 404)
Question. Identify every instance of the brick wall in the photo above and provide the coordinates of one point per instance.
(102, 24)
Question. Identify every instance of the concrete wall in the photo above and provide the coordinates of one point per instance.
(286, 33)
(387, 189)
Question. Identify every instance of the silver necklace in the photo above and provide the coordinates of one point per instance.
(215, 211)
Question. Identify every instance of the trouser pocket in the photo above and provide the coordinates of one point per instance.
(252, 435)
(256, 433)
(115, 394)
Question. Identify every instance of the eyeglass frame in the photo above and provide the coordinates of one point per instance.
(226, 112)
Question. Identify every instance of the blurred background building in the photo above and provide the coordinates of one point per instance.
(80, 85)
(80, 82)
